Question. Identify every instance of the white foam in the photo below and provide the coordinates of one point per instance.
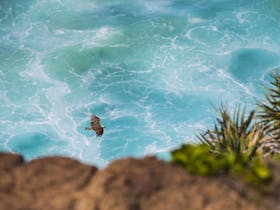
(156, 6)
(185, 62)
(82, 6)
(195, 20)
(213, 35)
(59, 116)
(174, 85)
(101, 36)
(85, 5)
(153, 149)
(224, 74)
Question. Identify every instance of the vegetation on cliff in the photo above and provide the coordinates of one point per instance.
(238, 143)
(269, 115)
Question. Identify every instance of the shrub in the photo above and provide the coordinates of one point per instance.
(236, 143)
(198, 159)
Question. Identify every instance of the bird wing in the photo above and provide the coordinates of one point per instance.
(95, 119)
(95, 125)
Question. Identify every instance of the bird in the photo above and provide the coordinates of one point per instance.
(95, 125)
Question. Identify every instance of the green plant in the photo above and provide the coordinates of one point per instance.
(276, 157)
(237, 134)
(269, 115)
(199, 160)
(254, 172)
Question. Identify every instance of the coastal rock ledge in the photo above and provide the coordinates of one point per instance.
(58, 183)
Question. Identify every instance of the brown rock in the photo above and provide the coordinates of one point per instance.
(151, 184)
(131, 184)
(45, 183)
(9, 161)
(271, 192)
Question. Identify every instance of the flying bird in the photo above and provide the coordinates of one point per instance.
(95, 125)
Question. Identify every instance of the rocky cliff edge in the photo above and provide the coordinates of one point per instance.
(58, 183)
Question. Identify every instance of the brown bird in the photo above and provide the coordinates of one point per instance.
(95, 125)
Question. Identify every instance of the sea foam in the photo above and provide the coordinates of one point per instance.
(152, 71)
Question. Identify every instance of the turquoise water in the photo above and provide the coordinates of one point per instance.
(151, 70)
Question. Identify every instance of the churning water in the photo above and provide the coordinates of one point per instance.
(150, 69)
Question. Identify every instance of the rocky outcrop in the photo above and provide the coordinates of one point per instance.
(45, 183)
(59, 183)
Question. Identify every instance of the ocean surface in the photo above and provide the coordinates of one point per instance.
(152, 70)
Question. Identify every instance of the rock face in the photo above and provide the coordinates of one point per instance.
(59, 183)
(46, 183)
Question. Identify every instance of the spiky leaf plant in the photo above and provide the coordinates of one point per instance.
(237, 134)
(269, 115)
